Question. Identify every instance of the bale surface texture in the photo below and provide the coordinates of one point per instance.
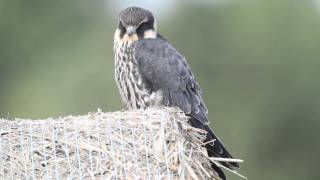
(141, 144)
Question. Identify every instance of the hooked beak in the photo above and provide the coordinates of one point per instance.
(131, 30)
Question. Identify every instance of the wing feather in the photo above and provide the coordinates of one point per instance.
(166, 69)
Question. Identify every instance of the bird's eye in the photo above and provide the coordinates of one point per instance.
(142, 25)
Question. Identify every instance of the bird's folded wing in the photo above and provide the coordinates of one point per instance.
(164, 68)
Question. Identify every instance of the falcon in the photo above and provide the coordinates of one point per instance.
(150, 72)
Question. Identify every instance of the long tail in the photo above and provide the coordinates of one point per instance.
(215, 148)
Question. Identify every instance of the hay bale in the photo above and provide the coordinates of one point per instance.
(153, 143)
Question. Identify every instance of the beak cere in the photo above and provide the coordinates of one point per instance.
(130, 35)
(131, 30)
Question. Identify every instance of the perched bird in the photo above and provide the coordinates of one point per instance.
(151, 72)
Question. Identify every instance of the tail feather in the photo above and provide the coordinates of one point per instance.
(218, 171)
(215, 148)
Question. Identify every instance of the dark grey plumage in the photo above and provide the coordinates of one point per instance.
(167, 70)
(151, 72)
(134, 15)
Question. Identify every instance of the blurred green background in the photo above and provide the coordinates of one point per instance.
(257, 63)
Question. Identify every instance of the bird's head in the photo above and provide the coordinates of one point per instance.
(135, 23)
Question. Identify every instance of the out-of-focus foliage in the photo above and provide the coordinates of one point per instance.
(257, 63)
